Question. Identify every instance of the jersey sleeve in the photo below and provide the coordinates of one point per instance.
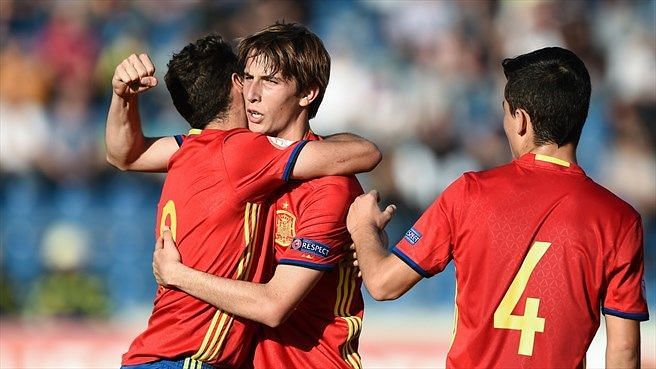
(255, 166)
(625, 291)
(427, 247)
(321, 234)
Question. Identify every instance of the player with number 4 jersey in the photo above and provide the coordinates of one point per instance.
(540, 249)
(531, 270)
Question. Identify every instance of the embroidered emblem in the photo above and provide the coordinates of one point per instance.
(285, 228)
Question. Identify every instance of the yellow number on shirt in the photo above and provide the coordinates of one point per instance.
(530, 322)
(168, 212)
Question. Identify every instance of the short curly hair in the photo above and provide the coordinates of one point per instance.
(199, 80)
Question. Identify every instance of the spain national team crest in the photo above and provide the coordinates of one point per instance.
(285, 227)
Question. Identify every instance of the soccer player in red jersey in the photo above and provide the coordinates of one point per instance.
(539, 248)
(312, 307)
(211, 200)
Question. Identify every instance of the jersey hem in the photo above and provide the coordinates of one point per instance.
(406, 259)
(633, 316)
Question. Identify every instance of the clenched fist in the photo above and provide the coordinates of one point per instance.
(134, 75)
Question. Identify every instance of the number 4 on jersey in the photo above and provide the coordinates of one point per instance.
(530, 322)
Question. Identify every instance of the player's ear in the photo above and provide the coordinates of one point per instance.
(308, 96)
(522, 121)
(237, 81)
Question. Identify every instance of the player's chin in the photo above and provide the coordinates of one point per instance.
(257, 127)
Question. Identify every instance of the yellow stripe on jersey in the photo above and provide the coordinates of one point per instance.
(455, 317)
(247, 224)
(255, 216)
(338, 300)
(224, 334)
(208, 335)
(345, 347)
(190, 363)
(216, 334)
(551, 159)
(195, 131)
(345, 291)
(353, 275)
(251, 214)
(354, 324)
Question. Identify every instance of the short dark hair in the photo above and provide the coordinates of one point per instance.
(553, 86)
(199, 80)
(295, 52)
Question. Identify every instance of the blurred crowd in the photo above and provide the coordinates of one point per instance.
(422, 79)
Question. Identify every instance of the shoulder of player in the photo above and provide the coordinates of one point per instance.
(338, 189)
(501, 170)
(333, 183)
(242, 136)
(238, 134)
(594, 194)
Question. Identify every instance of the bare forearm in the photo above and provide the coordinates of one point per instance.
(364, 153)
(124, 138)
(342, 154)
(344, 137)
(622, 342)
(241, 298)
(372, 255)
(623, 358)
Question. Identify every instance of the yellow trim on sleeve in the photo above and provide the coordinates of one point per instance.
(551, 159)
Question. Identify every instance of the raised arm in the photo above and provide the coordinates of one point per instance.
(269, 303)
(340, 154)
(127, 148)
(386, 276)
(623, 342)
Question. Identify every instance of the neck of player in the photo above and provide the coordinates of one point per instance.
(566, 152)
(294, 131)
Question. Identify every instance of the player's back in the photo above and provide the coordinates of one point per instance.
(211, 200)
(534, 244)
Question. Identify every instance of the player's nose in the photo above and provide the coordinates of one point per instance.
(252, 91)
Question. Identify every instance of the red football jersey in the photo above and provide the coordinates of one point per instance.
(538, 249)
(211, 200)
(310, 231)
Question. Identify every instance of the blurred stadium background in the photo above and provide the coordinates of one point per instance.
(420, 78)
